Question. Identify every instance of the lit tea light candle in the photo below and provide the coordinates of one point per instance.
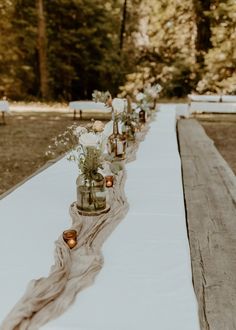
(70, 237)
(109, 181)
(71, 243)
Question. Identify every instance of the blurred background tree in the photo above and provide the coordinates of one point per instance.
(219, 72)
(187, 46)
(62, 50)
(165, 42)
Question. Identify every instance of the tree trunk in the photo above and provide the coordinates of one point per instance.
(42, 53)
(123, 24)
(203, 39)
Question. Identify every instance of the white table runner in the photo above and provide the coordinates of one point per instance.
(146, 280)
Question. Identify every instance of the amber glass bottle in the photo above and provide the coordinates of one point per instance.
(116, 142)
(142, 116)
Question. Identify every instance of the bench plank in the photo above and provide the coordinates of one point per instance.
(210, 195)
(212, 107)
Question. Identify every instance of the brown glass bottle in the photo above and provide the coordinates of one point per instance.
(129, 127)
(142, 116)
(117, 142)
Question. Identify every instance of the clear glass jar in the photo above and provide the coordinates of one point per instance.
(91, 193)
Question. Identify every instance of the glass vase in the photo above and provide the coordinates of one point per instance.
(91, 193)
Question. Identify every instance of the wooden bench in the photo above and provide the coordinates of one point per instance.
(212, 103)
(210, 196)
(4, 107)
(88, 107)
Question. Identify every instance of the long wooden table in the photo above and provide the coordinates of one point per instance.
(146, 282)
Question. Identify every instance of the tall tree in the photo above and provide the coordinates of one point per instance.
(165, 42)
(7, 47)
(22, 43)
(123, 24)
(219, 75)
(68, 48)
(83, 51)
(42, 52)
(203, 23)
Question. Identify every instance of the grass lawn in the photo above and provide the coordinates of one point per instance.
(24, 141)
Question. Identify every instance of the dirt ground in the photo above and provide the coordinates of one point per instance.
(222, 130)
(24, 141)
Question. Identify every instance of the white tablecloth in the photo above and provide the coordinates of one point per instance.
(146, 282)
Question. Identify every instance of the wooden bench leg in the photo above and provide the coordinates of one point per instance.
(189, 109)
(74, 118)
(3, 118)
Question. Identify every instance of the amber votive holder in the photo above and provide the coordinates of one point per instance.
(109, 181)
(70, 238)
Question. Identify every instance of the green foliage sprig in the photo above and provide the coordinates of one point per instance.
(90, 162)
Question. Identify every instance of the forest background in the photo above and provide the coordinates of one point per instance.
(59, 50)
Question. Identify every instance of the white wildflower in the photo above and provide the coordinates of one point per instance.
(140, 97)
(80, 130)
(89, 140)
(98, 126)
(118, 105)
